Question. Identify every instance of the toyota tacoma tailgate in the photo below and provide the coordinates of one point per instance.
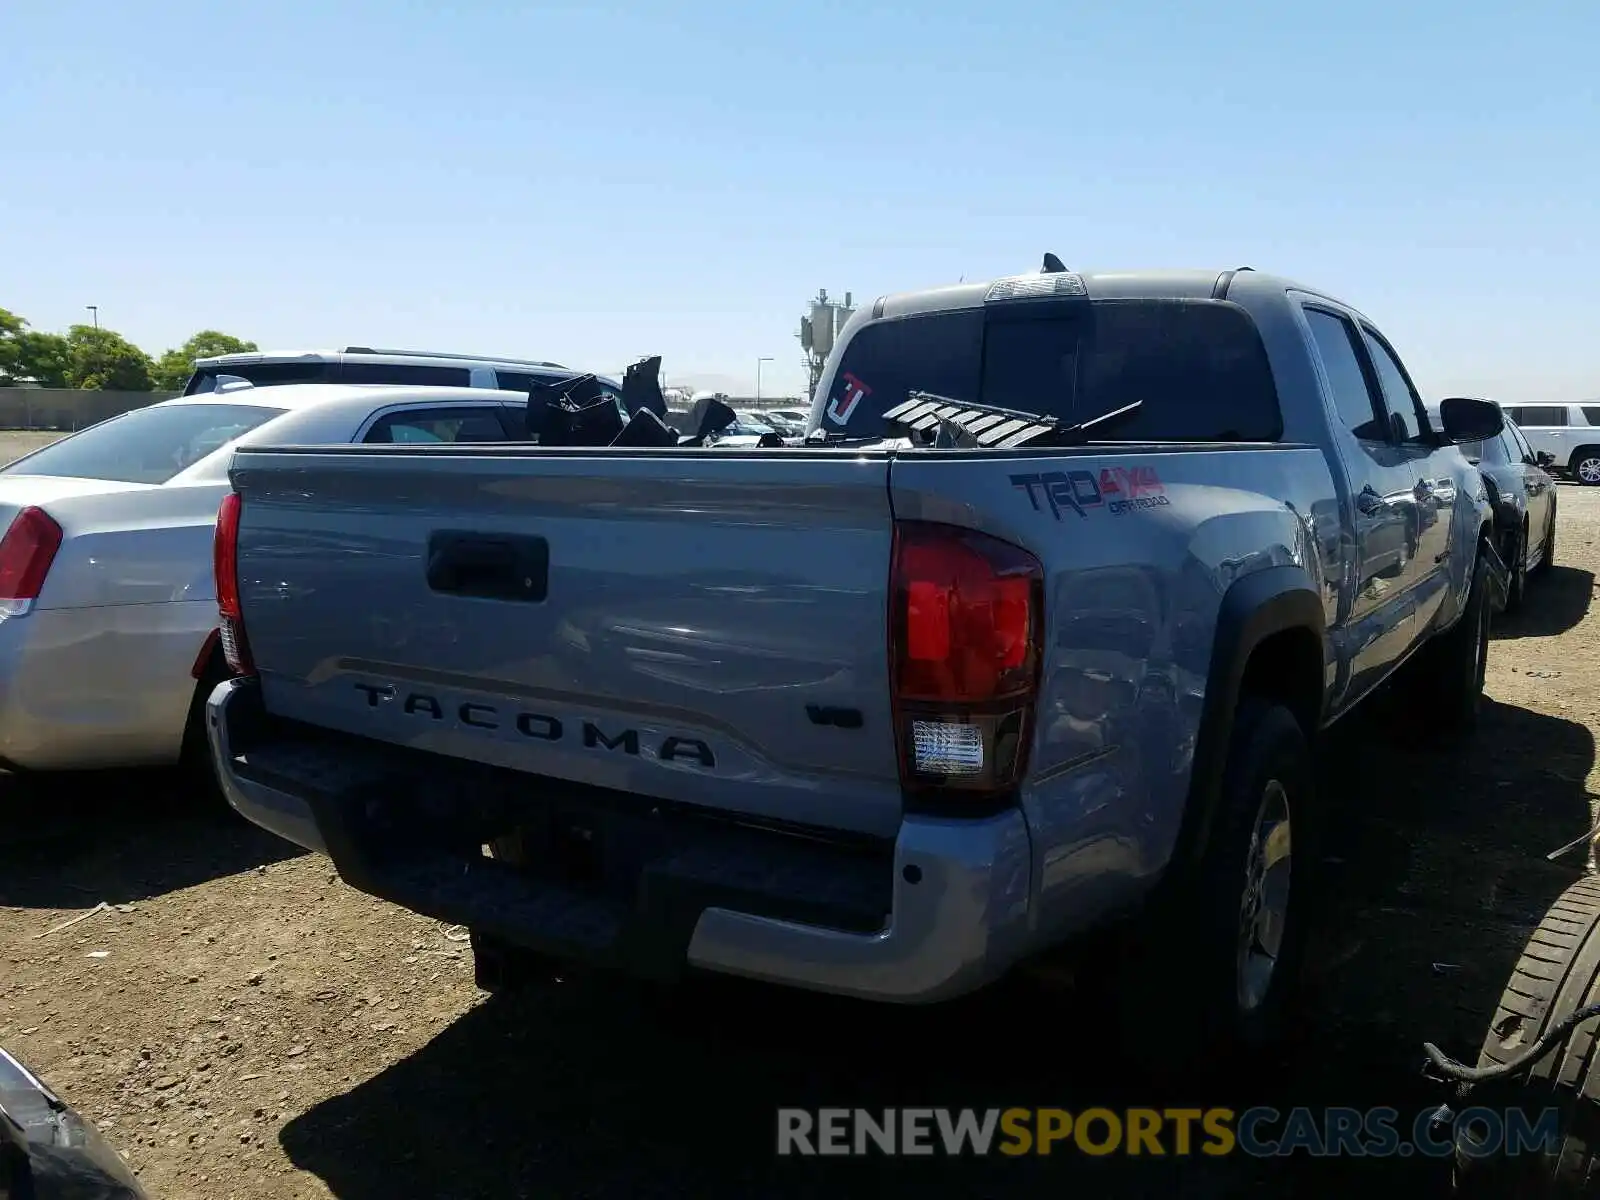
(694, 628)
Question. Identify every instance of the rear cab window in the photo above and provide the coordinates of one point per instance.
(273, 374)
(1198, 366)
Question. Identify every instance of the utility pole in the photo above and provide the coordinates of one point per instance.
(94, 311)
(759, 361)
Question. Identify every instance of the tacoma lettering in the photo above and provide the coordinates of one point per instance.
(538, 726)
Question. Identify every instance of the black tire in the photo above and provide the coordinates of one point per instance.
(1559, 973)
(1515, 555)
(1447, 673)
(1548, 558)
(1181, 992)
(1586, 460)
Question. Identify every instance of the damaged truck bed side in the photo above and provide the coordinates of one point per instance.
(867, 716)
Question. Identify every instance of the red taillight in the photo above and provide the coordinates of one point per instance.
(26, 552)
(966, 625)
(225, 562)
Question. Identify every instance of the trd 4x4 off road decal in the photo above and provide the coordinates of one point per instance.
(1118, 489)
(1128, 488)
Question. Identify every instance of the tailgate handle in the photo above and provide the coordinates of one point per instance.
(489, 565)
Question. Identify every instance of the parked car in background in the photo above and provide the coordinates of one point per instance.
(1569, 433)
(107, 609)
(791, 416)
(747, 430)
(788, 422)
(362, 364)
(1524, 497)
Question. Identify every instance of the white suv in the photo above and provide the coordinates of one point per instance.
(363, 364)
(1570, 433)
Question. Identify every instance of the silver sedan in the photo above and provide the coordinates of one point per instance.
(107, 607)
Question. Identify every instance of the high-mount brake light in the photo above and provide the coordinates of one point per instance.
(225, 562)
(966, 624)
(26, 554)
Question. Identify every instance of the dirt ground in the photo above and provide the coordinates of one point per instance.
(241, 1024)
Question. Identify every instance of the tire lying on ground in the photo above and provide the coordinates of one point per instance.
(1558, 974)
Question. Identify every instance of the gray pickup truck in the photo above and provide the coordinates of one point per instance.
(869, 716)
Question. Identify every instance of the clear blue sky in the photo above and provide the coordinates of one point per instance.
(593, 182)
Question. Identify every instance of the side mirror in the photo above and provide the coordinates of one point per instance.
(1544, 458)
(1467, 420)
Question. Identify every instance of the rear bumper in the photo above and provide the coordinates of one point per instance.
(940, 912)
(108, 686)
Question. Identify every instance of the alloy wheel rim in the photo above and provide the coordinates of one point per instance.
(1589, 470)
(1264, 906)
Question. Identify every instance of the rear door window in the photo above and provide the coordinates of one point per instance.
(1541, 414)
(1352, 399)
(1591, 413)
(437, 425)
(265, 374)
(411, 374)
(1197, 367)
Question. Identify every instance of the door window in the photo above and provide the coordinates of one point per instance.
(1334, 338)
(435, 425)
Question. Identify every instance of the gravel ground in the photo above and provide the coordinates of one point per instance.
(241, 1024)
(14, 443)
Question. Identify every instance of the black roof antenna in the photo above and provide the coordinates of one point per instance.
(1244, 269)
(1052, 265)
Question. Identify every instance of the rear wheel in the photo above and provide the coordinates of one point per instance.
(1515, 554)
(1559, 973)
(1447, 674)
(1215, 969)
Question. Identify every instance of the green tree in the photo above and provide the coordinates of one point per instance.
(27, 354)
(104, 359)
(172, 369)
(46, 358)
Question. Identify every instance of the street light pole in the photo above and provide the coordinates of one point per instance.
(94, 311)
(759, 361)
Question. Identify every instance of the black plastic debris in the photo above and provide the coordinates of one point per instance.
(944, 423)
(644, 428)
(641, 388)
(707, 418)
(574, 412)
